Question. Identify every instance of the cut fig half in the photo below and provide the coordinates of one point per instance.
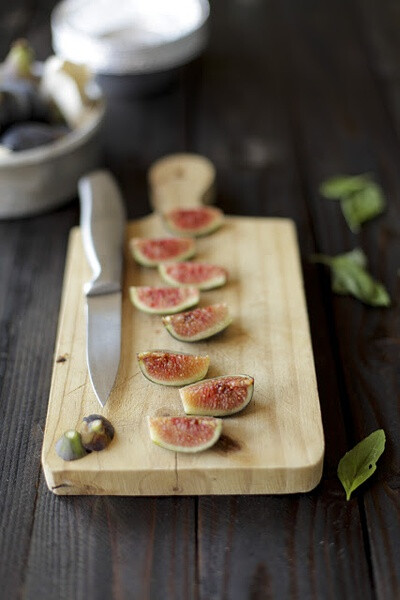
(150, 252)
(202, 275)
(194, 221)
(185, 434)
(218, 397)
(173, 368)
(163, 300)
(198, 324)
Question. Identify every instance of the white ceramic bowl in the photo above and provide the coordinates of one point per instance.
(135, 47)
(33, 181)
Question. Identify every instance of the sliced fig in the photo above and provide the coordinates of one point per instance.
(198, 324)
(185, 434)
(150, 252)
(194, 221)
(202, 275)
(173, 368)
(218, 397)
(163, 300)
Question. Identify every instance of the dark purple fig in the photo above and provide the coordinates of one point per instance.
(97, 433)
(20, 100)
(25, 136)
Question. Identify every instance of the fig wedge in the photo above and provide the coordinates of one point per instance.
(198, 324)
(172, 368)
(194, 221)
(201, 275)
(151, 252)
(163, 300)
(218, 397)
(185, 434)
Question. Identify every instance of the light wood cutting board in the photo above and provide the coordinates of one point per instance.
(275, 445)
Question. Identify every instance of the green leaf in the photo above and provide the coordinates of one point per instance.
(359, 463)
(362, 206)
(350, 277)
(340, 186)
(361, 199)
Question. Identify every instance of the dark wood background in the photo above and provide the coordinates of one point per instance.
(286, 94)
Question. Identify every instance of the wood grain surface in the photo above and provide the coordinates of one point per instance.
(285, 94)
(274, 446)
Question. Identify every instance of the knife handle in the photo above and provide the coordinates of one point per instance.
(102, 225)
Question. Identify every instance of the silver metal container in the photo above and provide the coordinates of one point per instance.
(134, 46)
(33, 181)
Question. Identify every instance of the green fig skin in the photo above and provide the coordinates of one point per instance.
(69, 446)
(19, 60)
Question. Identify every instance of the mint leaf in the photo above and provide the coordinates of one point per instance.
(361, 199)
(341, 186)
(350, 277)
(359, 463)
(362, 206)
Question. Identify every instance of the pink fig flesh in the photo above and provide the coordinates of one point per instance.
(151, 252)
(172, 368)
(163, 300)
(198, 324)
(202, 275)
(194, 221)
(185, 434)
(218, 397)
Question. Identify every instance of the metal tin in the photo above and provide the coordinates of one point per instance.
(155, 35)
(33, 181)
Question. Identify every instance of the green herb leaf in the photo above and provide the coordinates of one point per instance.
(358, 464)
(363, 206)
(350, 277)
(361, 199)
(342, 186)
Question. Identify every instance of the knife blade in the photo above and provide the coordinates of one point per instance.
(102, 226)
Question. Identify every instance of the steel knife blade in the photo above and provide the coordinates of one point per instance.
(102, 226)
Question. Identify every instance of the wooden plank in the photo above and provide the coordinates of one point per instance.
(31, 283)
(245, 545)
(275, 446)
(379, 25)
(29, 297)
(358, 137)
(84, 559)
(244, 124)
(112, 547)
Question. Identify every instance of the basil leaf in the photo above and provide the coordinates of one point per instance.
(341, 186)
(350, 277)
(361, 199)
(359, 463)
(362, 206)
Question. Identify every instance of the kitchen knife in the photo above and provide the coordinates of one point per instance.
(102, 226)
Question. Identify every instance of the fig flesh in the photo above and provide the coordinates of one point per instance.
(218, 397)
(194, 221)
(185, 434)
(163, 300)
(198, 324)
(202, 275)
(173, 368)
(150, 252)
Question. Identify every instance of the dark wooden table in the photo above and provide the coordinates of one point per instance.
(287, 93)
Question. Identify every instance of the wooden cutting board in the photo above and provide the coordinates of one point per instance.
(275, 445)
